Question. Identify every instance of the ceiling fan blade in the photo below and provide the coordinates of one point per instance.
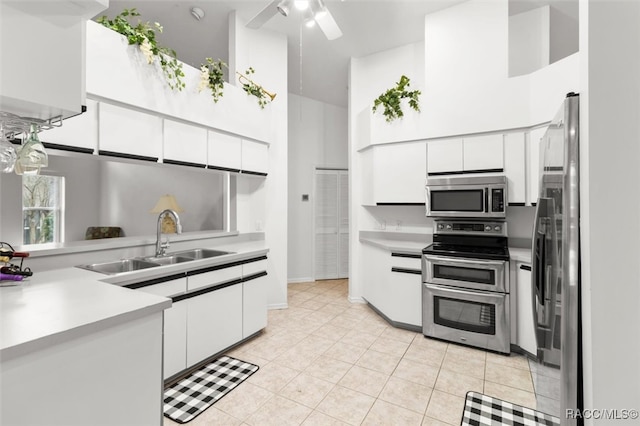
(265, 14)
(329, 26)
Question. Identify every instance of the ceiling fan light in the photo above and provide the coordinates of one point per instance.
(320, 13)
(284, 7)
(301, 4)
(310, 22)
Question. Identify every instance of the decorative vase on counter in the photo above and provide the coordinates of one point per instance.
(31, 156)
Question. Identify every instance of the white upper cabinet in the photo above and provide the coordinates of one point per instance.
(483, 153)
(399, 173)
(515, 167)
(533, 163)
(80, 131)
(255, 157)
(128, 133)
(444, 156)
(34, 36)
(225, 152)
(184, 143)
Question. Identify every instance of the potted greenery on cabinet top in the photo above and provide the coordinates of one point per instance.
(391, 100)
(144, 35)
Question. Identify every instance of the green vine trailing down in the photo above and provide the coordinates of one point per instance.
(212, 76)
(390, 99)
(256, 90)
(144, 35)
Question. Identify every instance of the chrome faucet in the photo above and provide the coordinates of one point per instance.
(160, 246)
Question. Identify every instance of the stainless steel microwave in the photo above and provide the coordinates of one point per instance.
(461, 196)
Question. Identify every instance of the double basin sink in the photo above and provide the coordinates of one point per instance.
(138, 263)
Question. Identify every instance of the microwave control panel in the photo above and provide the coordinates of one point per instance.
(497, 200)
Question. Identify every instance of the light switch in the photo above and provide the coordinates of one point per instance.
(305, 197)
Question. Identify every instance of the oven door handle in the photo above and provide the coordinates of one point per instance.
(476, 296)
(478, 263)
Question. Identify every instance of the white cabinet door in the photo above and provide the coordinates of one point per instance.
(175, 338)
(254, 297)
(404, 291)
(128, 133)
(526, 332)
(533, 162)
(218, 276)
(481, 153)
(515, 167)
(376, 265)
(184, 143)
(444, 156)
(214, 322)
(399, 172)
(80, 131)
(225, 152)
(255, 157)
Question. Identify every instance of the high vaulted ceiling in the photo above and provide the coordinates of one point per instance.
(317, 67)
(320, 72)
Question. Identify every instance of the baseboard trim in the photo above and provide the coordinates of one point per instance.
(278, 306)
(300, 280)
(356, 300)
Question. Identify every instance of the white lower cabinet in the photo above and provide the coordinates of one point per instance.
(214, 322)
(211, 310)
(175, 338)
(405, 290)
(525, 329)
(254, 297)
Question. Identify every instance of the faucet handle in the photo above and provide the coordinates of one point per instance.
(163, 247)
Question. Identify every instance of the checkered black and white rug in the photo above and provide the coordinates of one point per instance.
(188, 398)
(481, 409)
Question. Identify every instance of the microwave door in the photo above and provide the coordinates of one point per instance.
(457, 201)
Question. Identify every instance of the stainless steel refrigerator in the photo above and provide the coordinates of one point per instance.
(556, 267)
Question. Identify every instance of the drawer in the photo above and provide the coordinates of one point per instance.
(167, 288)
(253, 267)
(214, 277)
(406, 262)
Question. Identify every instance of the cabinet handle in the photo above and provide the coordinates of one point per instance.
(406, 270)
(206, 290)
(525, 268)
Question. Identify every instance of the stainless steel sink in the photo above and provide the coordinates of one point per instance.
(168, 260)
(201, 253)
(118, 266)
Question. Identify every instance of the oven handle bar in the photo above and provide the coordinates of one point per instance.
(473, 295)
(478, 263)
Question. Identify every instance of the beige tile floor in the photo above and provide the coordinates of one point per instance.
(326, 361)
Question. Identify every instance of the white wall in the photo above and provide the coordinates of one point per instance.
(266, 52)
(610, 154)
(317, 138)
(529, 41)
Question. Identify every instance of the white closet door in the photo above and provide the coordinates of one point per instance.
(343, 221)
(331, 224)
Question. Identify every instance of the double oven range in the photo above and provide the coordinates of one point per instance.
(465, 271)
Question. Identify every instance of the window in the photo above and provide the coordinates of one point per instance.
(42, 201)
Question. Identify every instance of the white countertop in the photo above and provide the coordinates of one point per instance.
(397, 242)
(56, 305)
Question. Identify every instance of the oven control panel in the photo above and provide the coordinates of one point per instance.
(466, 227)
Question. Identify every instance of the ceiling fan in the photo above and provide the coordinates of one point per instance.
(315, 11)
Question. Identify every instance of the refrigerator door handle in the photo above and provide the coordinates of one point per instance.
(543, 310)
